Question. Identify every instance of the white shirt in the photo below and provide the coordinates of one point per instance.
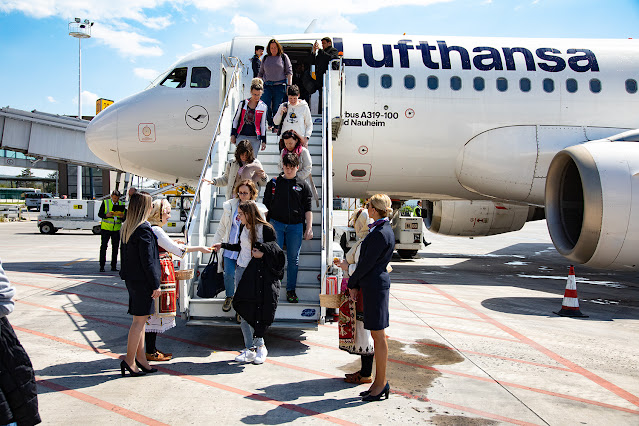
(167, 243)
(244, 257)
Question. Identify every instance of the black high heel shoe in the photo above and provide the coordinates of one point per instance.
(367, 392)
(124, 366)
(145, 370)
(371, 398)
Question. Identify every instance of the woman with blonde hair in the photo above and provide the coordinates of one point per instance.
(255, 234)
(371, 278)
(228, 230)
(160, 214)
(141, 273)
(250, 119)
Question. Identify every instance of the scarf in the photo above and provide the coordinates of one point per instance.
(297, 151)
(377, 223)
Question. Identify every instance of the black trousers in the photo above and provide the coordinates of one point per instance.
(115, 246)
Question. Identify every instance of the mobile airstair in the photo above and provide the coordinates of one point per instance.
(315, 262)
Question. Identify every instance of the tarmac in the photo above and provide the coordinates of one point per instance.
(473, 341)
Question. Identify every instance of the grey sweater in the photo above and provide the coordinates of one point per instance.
(275, 68)
(6, 294)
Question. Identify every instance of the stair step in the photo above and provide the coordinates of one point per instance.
(278, 324)
(212, 308)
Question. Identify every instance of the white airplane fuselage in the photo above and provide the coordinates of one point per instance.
(440, 118)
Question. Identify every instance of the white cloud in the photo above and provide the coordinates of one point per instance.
(196, 46)
(51, 99)
(128, 43)
(146, 73)
(244, 26)
(159, 23)
(88, 102)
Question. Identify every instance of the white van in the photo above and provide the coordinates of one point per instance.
(33, 199)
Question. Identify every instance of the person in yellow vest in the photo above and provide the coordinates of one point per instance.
(111, 224)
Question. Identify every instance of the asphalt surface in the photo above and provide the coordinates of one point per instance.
(473, 340)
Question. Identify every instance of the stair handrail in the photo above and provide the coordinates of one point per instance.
(213, 146)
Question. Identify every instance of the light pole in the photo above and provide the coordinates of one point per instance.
(80, 29)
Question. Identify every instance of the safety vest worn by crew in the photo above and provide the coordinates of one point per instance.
(111, 223)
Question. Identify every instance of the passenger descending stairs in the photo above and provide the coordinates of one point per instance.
(302, 315)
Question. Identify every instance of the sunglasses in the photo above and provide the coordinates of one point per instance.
(243, 193)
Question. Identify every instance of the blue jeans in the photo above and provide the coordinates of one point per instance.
(273, 96)
(247, 330)
(255, 141)
(229, 276)
(292, 235)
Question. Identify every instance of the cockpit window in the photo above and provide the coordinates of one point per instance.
(200, 77)
(175, 79)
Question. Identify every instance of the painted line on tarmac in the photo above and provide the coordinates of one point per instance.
(193, 343)
(450, 305)
(622, 393)
(66, 278)
(455, 331)
(70, 292)
(436, 314)
(237, 391)
(97, 402)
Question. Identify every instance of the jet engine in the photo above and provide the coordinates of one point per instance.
(592, 202)
(465, 218)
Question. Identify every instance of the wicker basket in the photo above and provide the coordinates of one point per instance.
(184, 274)
(330, 300)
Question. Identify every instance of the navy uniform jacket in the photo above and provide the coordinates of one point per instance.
(375, 253)
(141, 258)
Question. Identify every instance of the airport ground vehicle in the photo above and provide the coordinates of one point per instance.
(69, 214)
(32, 199)
(408, 235)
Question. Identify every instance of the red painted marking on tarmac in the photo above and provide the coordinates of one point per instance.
(457, 331)
(633, 399)
(99, 403)
(436, 314)
(450, 305)
(206, 382)
(79, 281)
(109, 353)
(70, 292)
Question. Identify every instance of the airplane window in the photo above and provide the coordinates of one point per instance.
(631, 86)
(502, 84)
(571, 85)
(200, 77)
(409, 82)
(524, 85)
(362, 80)
(595, 85)
(455, 83)
(387, 81)
(479, 84)
(433, 82)
(175, 79)
(549, 85)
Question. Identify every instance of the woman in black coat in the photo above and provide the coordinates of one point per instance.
(372, 279)
(140, 270)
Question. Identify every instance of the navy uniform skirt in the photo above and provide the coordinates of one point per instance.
(376, 308)
(140, 300)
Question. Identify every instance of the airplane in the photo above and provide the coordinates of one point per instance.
(489, 132)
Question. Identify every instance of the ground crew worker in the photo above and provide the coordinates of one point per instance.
(418, 209)
(111, 224)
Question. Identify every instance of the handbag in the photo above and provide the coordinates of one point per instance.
(211, 281)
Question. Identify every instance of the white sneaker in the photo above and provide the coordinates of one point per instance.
(247, 355)
(260, 356)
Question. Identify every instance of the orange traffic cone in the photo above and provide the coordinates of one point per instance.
(570, 305)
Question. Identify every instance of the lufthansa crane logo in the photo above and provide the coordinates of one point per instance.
(197, 117)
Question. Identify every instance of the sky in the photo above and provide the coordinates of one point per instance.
(133, 41)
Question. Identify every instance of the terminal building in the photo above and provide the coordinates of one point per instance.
(38, 140)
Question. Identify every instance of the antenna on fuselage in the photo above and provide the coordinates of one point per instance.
(311, 27)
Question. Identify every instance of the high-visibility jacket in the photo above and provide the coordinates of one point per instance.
(111, 223)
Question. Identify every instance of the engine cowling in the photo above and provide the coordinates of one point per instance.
(592, 202)
(465, 218)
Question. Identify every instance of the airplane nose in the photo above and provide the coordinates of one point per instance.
(101, 136)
